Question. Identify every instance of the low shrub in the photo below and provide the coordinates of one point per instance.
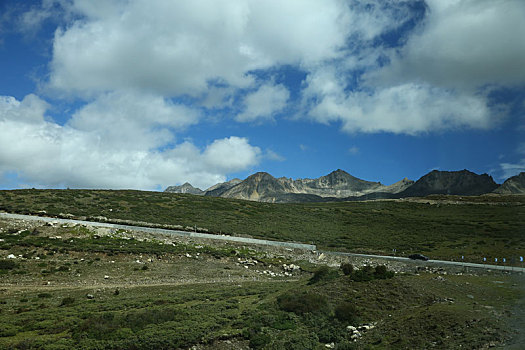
(381, 272)
(346, 312)
(8, 264)
(347, 268)
(302, 303)
(324, 273)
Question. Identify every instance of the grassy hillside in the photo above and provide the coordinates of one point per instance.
(482, 227)
(74, 287)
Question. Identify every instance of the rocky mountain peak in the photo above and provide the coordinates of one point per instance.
(184, 188)
(513, 185)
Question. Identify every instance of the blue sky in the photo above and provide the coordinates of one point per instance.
(146, 94)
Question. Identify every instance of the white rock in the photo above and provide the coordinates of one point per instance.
(106, 277)
(351, 328)
(11, 256)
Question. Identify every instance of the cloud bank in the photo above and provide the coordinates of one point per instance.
(113, 142)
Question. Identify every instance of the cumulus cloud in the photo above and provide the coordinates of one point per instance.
(465, 44)
(408, 108)
(264, 103)
(179, 47)
(132, 120)
(103, 152)
(439, 79)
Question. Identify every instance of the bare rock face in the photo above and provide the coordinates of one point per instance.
(185, 188)
(263, 187)
(513, 185)
(260, 186)
(462, 182)
(218, 189)
(337, 185)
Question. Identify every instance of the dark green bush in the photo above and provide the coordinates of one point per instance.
(347, 268)
(67, 301)
(258, 340)
(324, 273)
(302, 303)
(346, 312)
(381, 272)
(362, 275)
(8, 265)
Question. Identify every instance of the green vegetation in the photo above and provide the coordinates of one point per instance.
(486, 226)
(201, 294)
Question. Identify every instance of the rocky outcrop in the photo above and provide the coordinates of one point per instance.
(218, 189)
(513, 185)
(185, 188)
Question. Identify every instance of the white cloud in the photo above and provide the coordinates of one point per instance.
(264, 103)
(409, 108)
(465, 44)
(132, 120)
(104, 152)
(179, 47)
(231, 154)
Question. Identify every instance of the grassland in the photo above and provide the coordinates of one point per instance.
(82, 287)
(443, 227)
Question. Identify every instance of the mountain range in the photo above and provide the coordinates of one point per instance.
(341, 186)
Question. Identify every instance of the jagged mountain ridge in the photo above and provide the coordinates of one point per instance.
(264, 187)
(341, 186)
(338, 184)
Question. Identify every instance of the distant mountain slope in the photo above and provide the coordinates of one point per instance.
(260, 186)
(218, 189)
(513, 185)
(185, 188)
(462, 182)
(341, 186)
(337, 185)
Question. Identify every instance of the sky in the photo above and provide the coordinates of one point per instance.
(144, 94)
